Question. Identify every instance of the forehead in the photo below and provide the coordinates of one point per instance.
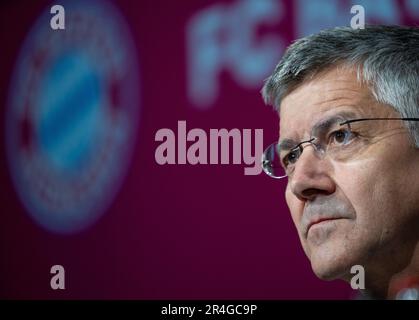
(330, 92)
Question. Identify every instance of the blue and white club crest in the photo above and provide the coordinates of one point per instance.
(72, 115)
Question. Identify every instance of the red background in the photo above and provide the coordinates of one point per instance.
(173, 231)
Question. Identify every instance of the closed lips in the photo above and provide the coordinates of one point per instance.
(318, 220)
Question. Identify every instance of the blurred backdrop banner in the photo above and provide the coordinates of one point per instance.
(110, 161)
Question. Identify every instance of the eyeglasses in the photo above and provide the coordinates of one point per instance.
(335, 136)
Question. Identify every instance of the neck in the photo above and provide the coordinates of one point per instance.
(402, 272)
(406, 278)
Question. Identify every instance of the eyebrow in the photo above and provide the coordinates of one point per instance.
(326, 124)
(287, 144)
(321, 126)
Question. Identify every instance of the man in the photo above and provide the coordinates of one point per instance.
(348, 102)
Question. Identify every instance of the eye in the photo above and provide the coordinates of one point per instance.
(341, 137)
(291, 157)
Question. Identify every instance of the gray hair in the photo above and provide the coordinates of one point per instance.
(385, 57)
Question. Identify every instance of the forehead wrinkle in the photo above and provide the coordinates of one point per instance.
(331, 100)
(332, 94)
(335, 94)
(340, 81)
(327, 94)
(358, 90)
(336, 102)
(336, 85)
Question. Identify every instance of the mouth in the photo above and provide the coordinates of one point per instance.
(321, 221)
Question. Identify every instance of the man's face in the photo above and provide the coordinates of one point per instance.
(359, 207)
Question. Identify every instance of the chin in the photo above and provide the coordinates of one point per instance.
(329, 273)
(328, 264)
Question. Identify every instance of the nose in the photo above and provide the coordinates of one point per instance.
(311, 176)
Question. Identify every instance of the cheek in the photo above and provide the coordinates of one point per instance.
(369, 191)
(376, 182)
(355, 182)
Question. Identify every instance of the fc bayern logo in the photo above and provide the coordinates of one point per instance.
(72, 115)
